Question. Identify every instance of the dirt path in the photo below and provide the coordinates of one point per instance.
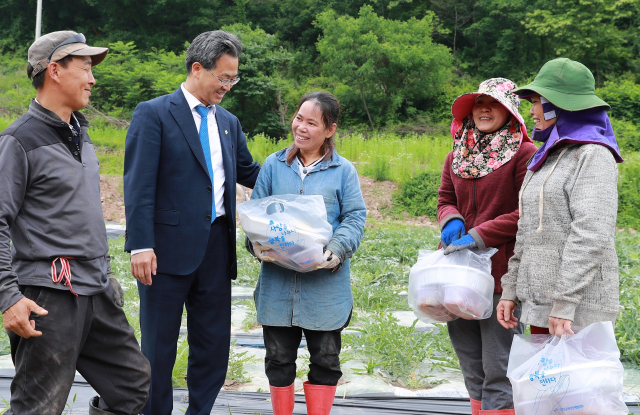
(377, 196)
(112, 198)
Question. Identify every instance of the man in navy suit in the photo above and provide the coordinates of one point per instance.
(183, 157)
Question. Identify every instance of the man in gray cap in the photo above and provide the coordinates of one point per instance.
(58, 305)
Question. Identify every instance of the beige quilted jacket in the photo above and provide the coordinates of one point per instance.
(565, 263)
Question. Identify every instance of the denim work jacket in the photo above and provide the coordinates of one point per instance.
(317, 300)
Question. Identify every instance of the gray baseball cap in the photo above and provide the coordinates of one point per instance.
(57, 45)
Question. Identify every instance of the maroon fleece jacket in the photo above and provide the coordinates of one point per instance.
(488, 206)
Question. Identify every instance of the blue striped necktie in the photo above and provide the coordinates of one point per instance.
(204, 141)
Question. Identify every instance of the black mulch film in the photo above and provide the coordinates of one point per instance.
(236, 403)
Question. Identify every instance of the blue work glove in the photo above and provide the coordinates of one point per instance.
(454, 229)
(466, 242)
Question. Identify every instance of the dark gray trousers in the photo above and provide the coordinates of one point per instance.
(87, 333)
(483, 348)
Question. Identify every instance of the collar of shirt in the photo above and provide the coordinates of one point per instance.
(194, 102)
(304, 170)
(74, 125)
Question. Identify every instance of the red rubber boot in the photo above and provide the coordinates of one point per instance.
(319, 398)
(498, 412)
(476, 406)
(282, 399)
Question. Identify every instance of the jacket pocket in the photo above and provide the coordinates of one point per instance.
(544, 270)
(332, 207)
(166, 217)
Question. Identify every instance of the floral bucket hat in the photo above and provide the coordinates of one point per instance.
(498, 88)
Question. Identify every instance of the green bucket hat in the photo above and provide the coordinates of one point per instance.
(566, 84)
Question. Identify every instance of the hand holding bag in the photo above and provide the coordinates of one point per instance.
(446, 287)
(577, 374)
(295, 227)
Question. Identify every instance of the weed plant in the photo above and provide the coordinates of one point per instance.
(398, 350)
(179, 373)
(380, 267)
(302, 364)
(237, 361)
(121, 266)
(248, 265)
(393, 156)
(15, 88)
(262, 147)
(68, 406)
(235, 370)
(250, 320)
(5, 121)
(629, 192)
(419, 195)
(627, 327)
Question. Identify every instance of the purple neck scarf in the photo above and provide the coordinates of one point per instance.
(591, 126)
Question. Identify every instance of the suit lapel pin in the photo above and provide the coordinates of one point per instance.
(226, 132)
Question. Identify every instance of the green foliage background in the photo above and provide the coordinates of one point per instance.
(390, 62)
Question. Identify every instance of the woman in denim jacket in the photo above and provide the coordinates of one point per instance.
(319, 302)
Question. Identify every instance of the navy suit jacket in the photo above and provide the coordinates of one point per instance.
(167, 189)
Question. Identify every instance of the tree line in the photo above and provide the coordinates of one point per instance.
(388, 61)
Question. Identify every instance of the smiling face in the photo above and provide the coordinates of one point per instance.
(75, 82)
(309, 131)
(489, 114)
(205, 86)
(538, 113)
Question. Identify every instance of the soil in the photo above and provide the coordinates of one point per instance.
(231, 385)
(112, 198)
(377, 197)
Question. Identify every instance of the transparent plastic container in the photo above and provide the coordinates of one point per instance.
(445, 287)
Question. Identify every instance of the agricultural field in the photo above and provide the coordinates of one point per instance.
(376, 345)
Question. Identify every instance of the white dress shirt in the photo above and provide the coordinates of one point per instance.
(216, 153)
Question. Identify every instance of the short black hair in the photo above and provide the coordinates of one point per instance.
(38, 80)
(208, 47)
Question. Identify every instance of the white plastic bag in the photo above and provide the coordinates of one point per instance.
(577, 374)
(445, 287)
(295, 227)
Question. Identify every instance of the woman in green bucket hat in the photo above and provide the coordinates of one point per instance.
(565, 268)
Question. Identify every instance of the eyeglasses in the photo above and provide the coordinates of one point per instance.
(225, 82)
(77, 38)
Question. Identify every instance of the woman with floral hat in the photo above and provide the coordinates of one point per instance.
(565, 267)
(478, 208)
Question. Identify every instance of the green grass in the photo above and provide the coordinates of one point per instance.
(386, 156)
(111, 138)
(111, 161)
(627, 327)
(393, 156)
(5, 121)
